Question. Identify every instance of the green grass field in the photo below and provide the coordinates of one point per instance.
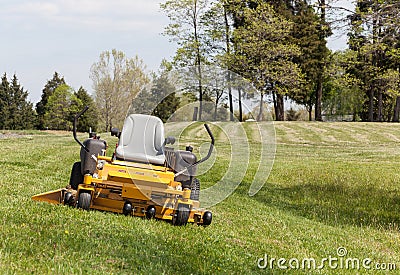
(332, 185)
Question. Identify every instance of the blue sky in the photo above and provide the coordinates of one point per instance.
(39, 37)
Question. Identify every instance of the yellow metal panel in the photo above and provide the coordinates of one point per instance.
(140, 165)
(131, 191)
(136, 176)
(137, 171)
(87, 179)
(108, 159)
(108, 205)
(54, 197)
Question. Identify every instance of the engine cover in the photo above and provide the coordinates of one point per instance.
(96, 147)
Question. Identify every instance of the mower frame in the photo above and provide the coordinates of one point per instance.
(132, 188)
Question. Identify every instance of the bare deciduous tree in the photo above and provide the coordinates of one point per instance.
(117, 79)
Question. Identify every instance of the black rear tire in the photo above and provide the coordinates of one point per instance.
(76, 176)
(181, 216)
(195, 190)
(84, 200)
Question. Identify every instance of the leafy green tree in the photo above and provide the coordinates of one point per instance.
(15, 110)
(58, 114)
(48, 90)
(264, 54)
(375, 38)
(344, 93)
(90, 119)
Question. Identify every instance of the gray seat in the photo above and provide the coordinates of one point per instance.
(141, 140)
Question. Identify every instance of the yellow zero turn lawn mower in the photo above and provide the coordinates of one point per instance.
(143, 177)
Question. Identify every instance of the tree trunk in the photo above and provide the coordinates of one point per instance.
(231, 114)
(198, 63)
(259, 117)
(397, 107)
(318, 101)
(240, 105)
(374, 64)
(280, 108)
(107, 113)
(228, 51)
(322, 34)
(200, 93)
(380, 106)
(371, 105)
(396, 110)
(215, 110)
(275, 104)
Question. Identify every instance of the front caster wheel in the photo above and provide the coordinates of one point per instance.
(84, 200)
(181, 215)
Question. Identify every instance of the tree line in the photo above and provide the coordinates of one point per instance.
(117, 79)
(280, 47)
(55, 111)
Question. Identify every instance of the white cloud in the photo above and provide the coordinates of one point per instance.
(119, 15)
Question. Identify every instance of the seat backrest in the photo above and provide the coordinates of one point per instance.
(141, 140)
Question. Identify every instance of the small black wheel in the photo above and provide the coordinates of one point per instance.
(150, 212)
(195, 190)
(84, 200)
(181, 215)
(207, 218)
(127, 209)
(69, 199)
(76, 176)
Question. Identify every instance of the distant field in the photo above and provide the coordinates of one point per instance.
(332, 185)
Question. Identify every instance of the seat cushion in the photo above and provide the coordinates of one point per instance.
(141, 140)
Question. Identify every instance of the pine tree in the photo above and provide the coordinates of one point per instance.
(168, 104)
(48, 90)
(306, 34)
(22, 114)
(15, 109)
(4, 101)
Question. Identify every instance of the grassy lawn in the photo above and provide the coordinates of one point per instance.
(332, 185)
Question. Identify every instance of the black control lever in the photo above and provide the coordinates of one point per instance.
(74, 127)
(206, 157)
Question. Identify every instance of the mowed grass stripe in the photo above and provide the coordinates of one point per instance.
(318, 198)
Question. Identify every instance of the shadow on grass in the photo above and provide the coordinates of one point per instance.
(336, 204)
